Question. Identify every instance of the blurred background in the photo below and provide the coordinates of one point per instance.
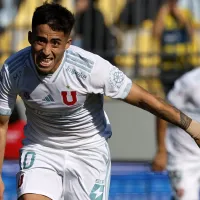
(129, 34)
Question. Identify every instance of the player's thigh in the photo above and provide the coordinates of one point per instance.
(40, 181)
(38, 174)
(88, 176)
(33, 197)
(185, 184)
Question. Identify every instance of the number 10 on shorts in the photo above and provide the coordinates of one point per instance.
(29, 159)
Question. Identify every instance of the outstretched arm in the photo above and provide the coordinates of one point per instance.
(157, 106)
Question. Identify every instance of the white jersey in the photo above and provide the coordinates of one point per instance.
(65, 109)
(185, 96)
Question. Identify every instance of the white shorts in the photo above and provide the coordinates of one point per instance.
(186, 182)
(78, 174)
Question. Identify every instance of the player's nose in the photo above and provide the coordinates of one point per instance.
(46, 49)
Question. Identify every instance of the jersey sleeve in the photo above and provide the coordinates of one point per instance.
(109, 80)
(8, 94)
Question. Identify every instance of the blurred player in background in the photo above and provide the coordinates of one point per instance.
(65, 153)
(90, 26)
(176, 149)
(174, 31)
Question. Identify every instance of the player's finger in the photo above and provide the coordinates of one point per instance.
(157, 167)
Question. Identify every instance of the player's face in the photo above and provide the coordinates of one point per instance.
(48, 48)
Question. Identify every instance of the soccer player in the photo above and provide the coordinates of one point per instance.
(180, 155)
(65, 153)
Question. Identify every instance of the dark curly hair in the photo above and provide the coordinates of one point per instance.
(56, 16)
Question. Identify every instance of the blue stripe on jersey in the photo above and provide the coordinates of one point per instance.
(77, 65)
(15, 57)
(15, 67)
(14, 61)
(82, 60)
(81, 57)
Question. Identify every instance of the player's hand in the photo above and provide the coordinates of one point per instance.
(159, 161)
(1, 188)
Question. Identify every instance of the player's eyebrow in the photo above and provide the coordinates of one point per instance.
(45, 39)
(56, 39)
(40, 38)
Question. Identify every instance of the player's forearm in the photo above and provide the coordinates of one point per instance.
(169, 113)
(166, 112)
(160, 134)
(3, 131)
(157, 106)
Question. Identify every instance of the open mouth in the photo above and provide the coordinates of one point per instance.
(45, 62)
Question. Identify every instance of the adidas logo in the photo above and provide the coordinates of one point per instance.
(48, 98)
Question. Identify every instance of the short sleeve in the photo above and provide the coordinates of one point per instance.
(109, 80)
(7, 92)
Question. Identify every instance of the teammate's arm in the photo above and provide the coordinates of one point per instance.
(160, 159)
(157, 106)
(3, 130)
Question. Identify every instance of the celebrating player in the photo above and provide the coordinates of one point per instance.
(65, 153)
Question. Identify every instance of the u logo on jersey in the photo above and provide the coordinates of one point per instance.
(69, 97)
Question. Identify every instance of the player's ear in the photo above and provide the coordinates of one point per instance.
(30, 37)
(69, 41)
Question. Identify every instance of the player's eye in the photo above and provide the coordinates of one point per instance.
(55, 43)
(40, 40)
